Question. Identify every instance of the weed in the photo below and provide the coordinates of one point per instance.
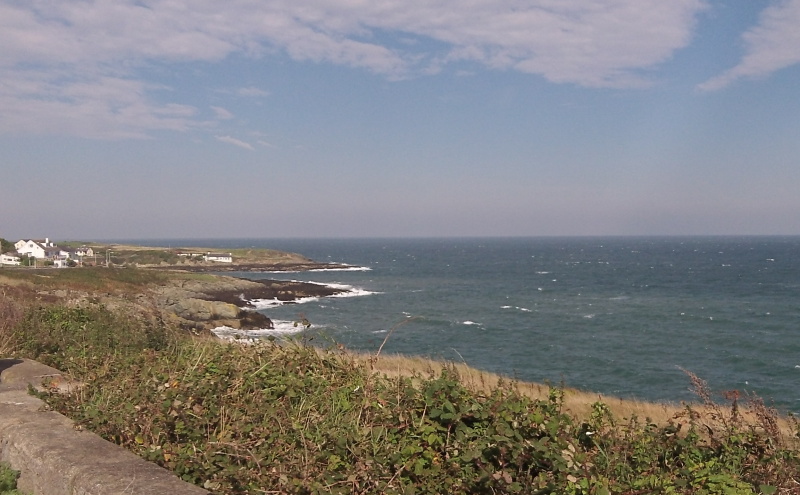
(8, 480)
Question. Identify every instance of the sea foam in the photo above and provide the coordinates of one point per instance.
(282, 327)
(342, 268)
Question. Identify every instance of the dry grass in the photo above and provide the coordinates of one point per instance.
(241, 255)
(576, 401)
(12, 311)
(750, 411)
(12, 280)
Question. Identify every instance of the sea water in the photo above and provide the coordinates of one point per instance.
(617, 316)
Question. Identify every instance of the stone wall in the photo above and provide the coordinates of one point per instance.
(55, 458)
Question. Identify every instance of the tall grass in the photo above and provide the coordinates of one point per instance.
(12, 312)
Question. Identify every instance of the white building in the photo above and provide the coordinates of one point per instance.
(219, 258)
(84, 251)
(35, 248)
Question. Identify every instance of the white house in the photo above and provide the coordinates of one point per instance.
(8, 259)
(219, 258)
(84, 251)
(35, 248)
(60, 261)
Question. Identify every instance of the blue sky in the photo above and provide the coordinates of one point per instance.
(348, 118)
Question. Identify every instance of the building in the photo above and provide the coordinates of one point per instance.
(84, 251)
(37, 248)
(218, 257)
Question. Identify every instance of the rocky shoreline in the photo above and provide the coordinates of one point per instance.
(229, 301)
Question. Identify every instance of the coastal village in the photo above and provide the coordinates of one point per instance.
(45, 253)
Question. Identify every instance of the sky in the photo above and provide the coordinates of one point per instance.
(146, 119)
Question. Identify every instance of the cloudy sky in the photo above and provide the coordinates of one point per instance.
(344, 118)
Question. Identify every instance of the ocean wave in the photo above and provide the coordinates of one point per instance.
(519, 308)
(281, 328)
(342, 268)
(350, 291)
(274, 303)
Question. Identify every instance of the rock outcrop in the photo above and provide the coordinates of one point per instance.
(228, 301)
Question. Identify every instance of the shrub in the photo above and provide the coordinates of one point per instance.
(294, 419)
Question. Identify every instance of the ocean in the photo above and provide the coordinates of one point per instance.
(620, 316)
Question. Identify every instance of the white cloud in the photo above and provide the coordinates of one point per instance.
(222, 113)
(235, 142)
(40, 102)
(61, 56)
(771, 45)
(252, 92)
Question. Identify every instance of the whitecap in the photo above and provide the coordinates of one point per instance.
(260, 304)
(342, 268)
(505, 307)
(281, 327)
(345, 268)
(468, 322)
(353, 292)
(265, 303)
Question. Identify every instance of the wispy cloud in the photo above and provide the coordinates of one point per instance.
(42, 102)
(771, 45)
(53, 51)
(235, 142)
(222, 113)
(252, 91)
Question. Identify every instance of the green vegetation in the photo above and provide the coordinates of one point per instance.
(6, 246)
(289, 418)
(95, 278)
(149, 257)
(8, 480)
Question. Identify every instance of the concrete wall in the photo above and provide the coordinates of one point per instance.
(55, 458)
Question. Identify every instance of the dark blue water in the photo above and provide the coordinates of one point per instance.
(619, 316)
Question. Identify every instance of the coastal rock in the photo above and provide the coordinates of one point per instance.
(227, 301)
(202, 310)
